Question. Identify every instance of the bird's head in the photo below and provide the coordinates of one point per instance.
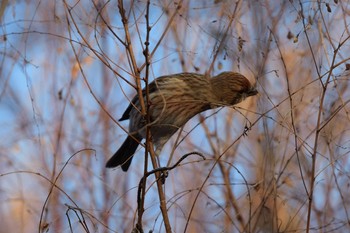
(231, 88)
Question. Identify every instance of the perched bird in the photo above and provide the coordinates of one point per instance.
(173, 100)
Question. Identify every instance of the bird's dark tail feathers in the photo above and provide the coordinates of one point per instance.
(125, 153)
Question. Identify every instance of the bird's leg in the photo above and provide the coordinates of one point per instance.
(158, 148)
(157, 151)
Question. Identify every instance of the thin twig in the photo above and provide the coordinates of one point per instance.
(162, 178)
(142, 187)
(319, 123)
(225, 174)
(291, 110)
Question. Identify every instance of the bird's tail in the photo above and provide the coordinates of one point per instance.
(125, 153)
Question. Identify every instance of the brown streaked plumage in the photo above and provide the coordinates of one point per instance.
(175, 99)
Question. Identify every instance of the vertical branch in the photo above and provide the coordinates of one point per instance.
(318, 130)
(319, 119)
(131, 55)
(141, 202)
(149, 144)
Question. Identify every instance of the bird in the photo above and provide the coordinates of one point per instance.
(172, 101)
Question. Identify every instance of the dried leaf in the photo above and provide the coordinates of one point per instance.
(219, 66)
(60, 96)
(240, 43)
(310, 20)
(347, 66)
(295, 40)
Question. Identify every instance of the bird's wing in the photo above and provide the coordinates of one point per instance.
(151, 88)
(183, 79)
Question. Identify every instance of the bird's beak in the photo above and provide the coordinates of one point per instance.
(252, 92)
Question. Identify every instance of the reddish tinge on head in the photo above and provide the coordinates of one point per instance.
(230, 88)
